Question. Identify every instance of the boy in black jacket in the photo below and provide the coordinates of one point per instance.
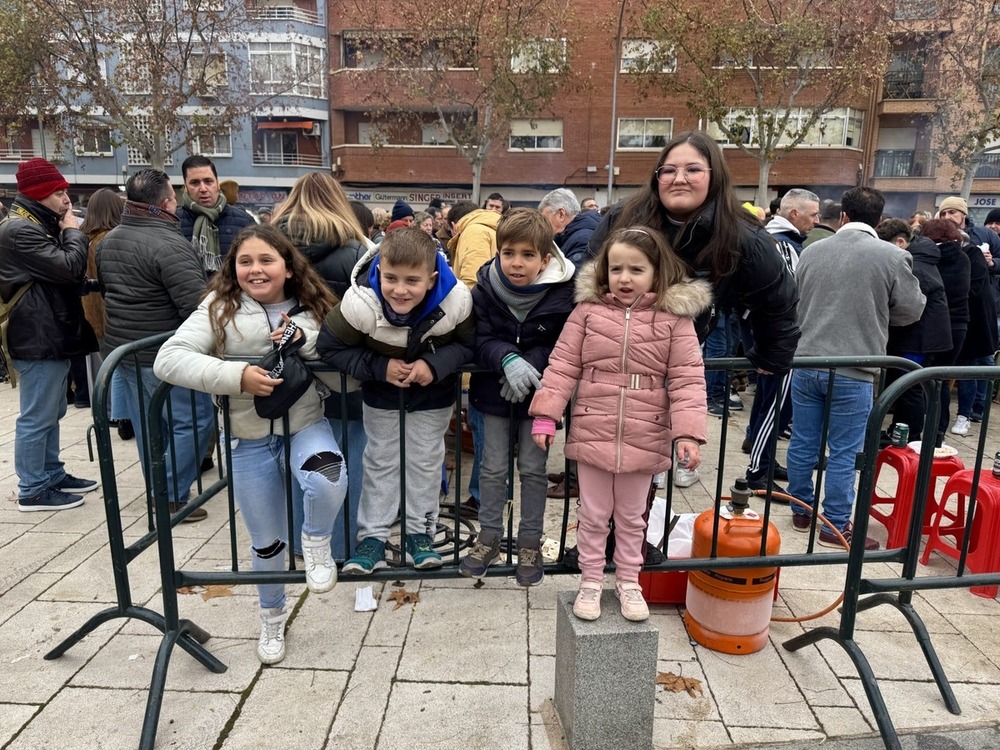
(522, 299)
(403, 329)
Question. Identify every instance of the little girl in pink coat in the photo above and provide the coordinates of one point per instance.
(630, 352)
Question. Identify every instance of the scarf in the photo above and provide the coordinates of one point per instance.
(520, 300)
(205, 235)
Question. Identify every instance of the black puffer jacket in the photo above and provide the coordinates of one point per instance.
(229, 225)
(761, 284)
(981, 339)
(499, 333)
(574, 240)
(48, 321)
(954, 267)
(932, 333)
(333, 262)
(152, 280)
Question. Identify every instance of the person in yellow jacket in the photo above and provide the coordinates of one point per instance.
(474, 240)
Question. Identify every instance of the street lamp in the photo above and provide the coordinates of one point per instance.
(614, 101)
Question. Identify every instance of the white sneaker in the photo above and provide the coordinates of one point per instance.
(321, 569)
(633, 604)
(684, 478)
(961, 426)
(271, 646)
(587, 605)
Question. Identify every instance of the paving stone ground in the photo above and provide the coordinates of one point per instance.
(464, 668)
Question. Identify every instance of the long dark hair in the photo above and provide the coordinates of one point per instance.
(721, 255)
(305, 284)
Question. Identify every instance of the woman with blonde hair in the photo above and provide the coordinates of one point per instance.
(317, 217)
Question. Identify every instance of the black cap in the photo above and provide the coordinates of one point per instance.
(993, 217)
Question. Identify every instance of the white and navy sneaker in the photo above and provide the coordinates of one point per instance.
(50, 499)
(70, 483)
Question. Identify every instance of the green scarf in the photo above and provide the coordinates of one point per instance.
(205, 236)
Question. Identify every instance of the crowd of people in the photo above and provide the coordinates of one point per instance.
(609, 311)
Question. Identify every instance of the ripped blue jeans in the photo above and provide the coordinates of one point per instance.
(259, 489)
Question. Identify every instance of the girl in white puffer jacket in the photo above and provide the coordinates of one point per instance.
(264, 285)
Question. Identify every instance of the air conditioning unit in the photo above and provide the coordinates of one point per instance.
(316, 130)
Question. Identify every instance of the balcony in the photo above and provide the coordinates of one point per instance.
(905, 85)
(284, 13)
(18, 154)
(898, 163)
(287, 160)
(989, 167)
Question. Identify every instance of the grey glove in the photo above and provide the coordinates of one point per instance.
(521, 378)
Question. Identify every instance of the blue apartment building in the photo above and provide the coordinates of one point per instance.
(285, 137)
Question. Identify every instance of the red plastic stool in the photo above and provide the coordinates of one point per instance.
(897, 518)
(984, 552)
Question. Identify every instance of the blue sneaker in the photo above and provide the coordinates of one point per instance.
(50, 499)
(716, 409)
(420, 554)
(369, 556)
(70, 483)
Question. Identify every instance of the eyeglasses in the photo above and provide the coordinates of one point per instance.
(694, 173)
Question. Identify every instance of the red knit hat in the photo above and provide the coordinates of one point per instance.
(38, 179)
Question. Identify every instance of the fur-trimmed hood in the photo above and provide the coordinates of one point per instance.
(688, 298)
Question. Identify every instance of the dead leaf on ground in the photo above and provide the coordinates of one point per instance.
(189, 590)
(676, 684)
(212, 592)
(402, 597)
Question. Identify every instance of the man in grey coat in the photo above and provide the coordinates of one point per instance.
(153, 280)
(852, 287)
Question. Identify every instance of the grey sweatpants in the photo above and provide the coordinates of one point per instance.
(493, 479)
(383, 472)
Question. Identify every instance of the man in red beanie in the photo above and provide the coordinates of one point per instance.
(43, 252)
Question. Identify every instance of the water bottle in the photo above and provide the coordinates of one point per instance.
(996, 465)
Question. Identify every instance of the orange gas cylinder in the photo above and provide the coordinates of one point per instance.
(729, 610)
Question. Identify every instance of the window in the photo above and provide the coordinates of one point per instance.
(644, 132)
(287, 68)
(279, 147)
(369, 134)
(136, 157)
(217, 143)
(646, 55)
(837, 128)
(132, 71)
(370, 52)
(536, 135)
(911, 9)
(540, 56)
(433, 134)
(94, 141)
(207, 73)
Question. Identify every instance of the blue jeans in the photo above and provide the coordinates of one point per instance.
(259, 488)
(42, 391)
(849, 409)
(356, 440)
(721, 342)
(478, 428)
(972, 393)
(184, 449)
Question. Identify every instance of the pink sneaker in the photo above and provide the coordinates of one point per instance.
(588, 601)
(634, 607)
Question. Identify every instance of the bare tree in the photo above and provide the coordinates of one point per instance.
(22, 44)
(157, 74)
(767, 76)
(968, 106)
(468, 70)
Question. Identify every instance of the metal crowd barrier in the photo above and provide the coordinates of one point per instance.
(894, 591)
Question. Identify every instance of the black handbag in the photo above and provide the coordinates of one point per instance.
(283, 362)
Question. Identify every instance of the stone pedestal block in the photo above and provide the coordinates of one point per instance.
(605, 677)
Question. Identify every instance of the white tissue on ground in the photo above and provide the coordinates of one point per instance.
(364, 600)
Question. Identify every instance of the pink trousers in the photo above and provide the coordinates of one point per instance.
(604, 495)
